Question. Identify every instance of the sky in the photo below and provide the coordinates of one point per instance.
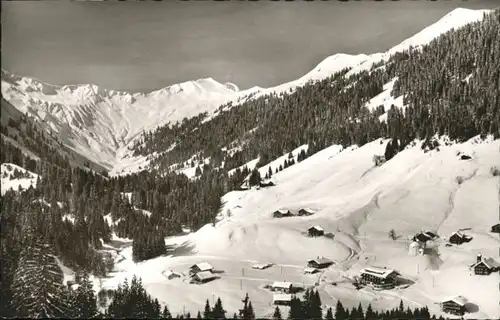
(143, 46)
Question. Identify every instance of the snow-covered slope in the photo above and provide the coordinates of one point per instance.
(100, 123)
(14, 177)
(359, 203)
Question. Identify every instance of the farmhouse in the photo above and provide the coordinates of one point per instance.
(455, 305)
(169, 274)
(319, 263)
(316, 231)
(262, 266)
(485, 266)
(282, 213)
(496, 228)
(423, 238)
(306, 212)
(380, 278)
(459, 238)
(200, 267)
(285, 287)
(203, 277)
(310, 270)
(282, 299)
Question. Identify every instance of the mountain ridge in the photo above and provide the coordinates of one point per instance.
(101, 124)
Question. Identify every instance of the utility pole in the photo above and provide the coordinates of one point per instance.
(241, 284)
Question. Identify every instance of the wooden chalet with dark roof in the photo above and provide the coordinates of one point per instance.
(306, 212)
(319, 263)
(455, 305)
(458, 238)
(316, 231)
(485, 266)
(281, 213)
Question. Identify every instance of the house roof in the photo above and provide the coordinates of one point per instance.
(422, 237)
(321, 260)
(496, 225)
(310, 270)
(460, 300)
(282, 211)
(282, 284)
(488, 262)
(432, 235)
(319, 228)
(282, 297)
(307, 210)
(205, 275)
(170, 272)
(460, 234)
(203, 266)
(378, 272)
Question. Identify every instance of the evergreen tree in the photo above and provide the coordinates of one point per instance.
(38, 289)
(254, 179)
(218, 311)
(340, 313)
(207, 313)
(370, 314)
(329, 314)
(277, 313)
(85, 299)
(166, 313)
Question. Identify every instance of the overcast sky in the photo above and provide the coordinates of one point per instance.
(142, 46)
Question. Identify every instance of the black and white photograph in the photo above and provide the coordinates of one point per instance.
(248, 159)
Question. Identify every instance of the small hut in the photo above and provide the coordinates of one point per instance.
(454, 305)
(319, 263)
(316, 231)
(282, 213)
(282, 299)
(203, 277)
(458, 238)
(306, 212)
(169, 274)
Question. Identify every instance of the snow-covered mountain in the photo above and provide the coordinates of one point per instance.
(100, 123)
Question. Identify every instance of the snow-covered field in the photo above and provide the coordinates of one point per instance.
(102, 124)
(9, 182)
(359, 204)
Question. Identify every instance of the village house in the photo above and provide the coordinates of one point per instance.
(200, 267)
(423, 238)
(319, 263)
(285, 287)
(485, 266)
(169, 274)
(380, 278)
(310, 270)
(203, 277)
(316, 231)
(282, 299)
(496, 228)
(306, 212)
(458, 238)
(455, 305)
(282, 213)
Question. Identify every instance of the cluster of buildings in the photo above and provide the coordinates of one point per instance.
(283, 213)
(202, 273)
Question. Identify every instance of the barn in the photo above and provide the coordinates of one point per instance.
(282, 213)
(486, 266)
(306, 212)
(496, 228)
(203, 277)
(284, 286)
(310, 270)
(380, 278)
(459, 238)
(316, 231)
(200, 267)
(282, 299)
(319, 263)
(169, 274)
(454, 305)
